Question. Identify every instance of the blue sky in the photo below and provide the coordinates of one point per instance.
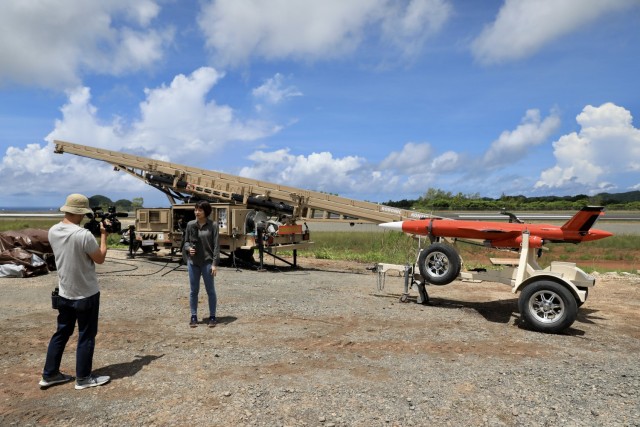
(370, 99)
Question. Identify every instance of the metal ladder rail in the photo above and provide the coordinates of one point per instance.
(224, 185)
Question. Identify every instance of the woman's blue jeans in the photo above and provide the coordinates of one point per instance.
(195, 272)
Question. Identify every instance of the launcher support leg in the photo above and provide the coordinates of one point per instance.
(260, 249)
(423, 296)
(132, 241)
(407, 283)
(233, 261)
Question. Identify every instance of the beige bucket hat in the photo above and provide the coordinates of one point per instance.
(76, 204)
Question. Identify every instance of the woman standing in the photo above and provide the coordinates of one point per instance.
(203, 249)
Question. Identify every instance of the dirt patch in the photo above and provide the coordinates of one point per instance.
(321, 345)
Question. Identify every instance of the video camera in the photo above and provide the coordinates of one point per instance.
(98, 216)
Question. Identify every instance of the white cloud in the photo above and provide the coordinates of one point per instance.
(317, 171)
(36, 171)
(80, 122)
(607, 144)
(407, 171)
(523, 27)
(176, 123)
(413, 158)
(448, 161)
(142, 11)
(410, 170)
(49, 44)
(272, 91)
(307, 29)
(511, 146)
(179, 115)
(408, 27)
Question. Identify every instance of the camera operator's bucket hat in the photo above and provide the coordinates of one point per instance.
(76, 204)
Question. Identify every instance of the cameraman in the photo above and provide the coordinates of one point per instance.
(76, 253)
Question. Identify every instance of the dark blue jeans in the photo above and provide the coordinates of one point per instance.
(195, 272)
(85, 311)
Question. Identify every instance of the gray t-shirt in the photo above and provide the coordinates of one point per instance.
(71, 246)
(205, 239)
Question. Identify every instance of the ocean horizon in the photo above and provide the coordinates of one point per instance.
(29, 209)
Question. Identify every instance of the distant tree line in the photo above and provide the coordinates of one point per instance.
(439, 200)
(122, 205)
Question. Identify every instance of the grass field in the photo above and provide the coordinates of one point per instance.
(619, 253)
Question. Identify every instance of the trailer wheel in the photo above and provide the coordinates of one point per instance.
(439, 264)
(548, 306)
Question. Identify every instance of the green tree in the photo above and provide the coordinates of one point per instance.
(435, 193)
(123, 205)
(99, 201)
(137, 202)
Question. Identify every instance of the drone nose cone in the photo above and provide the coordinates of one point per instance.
(392, 225)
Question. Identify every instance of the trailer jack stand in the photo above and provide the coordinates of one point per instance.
(409, 282)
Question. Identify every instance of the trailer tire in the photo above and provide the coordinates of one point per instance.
(439, 264)
(548, 306)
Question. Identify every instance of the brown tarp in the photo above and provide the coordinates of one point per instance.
(18, 248)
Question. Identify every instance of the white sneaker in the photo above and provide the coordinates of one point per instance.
(91, 381)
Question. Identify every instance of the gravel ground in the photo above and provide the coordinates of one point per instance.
(322, 346)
